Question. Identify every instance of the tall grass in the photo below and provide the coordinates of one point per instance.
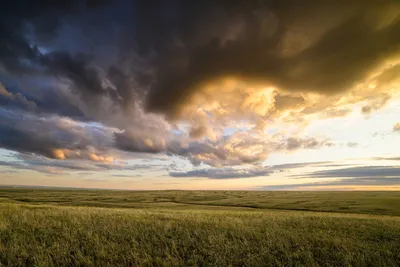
(47, 235)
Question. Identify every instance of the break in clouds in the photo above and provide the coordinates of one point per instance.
(102, 81)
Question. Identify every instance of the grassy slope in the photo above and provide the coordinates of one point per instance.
(35, 231)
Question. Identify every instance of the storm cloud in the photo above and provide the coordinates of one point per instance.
(254, 41)
(83, 79)
(246, 42)
(53, 137)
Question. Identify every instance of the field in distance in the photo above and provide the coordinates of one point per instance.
(198, 228)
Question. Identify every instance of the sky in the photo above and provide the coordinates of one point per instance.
(225, 95)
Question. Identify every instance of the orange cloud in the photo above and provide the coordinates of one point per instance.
(58, 154)
(396, 127)
(63, 154)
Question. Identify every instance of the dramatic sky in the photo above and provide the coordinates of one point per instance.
(257, 95)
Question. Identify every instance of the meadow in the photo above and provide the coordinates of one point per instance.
(198, 228)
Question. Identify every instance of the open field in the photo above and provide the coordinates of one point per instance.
(199, 228)
(382, 203)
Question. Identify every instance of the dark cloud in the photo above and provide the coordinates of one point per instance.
(77, 68)
(363, 171)
(231, 173)
(224, 173)
(24, 132)
(11, 100)
(245, 42)
(294, 143)
(186, 44)
(125, 86)
(47, 165)
(134, 142)
(44, 16)
(40, 95)
(53, 101)
(87, 75)
(28, 46)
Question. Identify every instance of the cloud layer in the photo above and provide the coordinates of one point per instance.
(363, 171)
(224, 173)
(216, 83)
(341, 184)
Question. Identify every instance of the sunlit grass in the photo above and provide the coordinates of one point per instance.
(171, 234)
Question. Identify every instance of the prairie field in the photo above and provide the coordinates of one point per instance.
(46, 227)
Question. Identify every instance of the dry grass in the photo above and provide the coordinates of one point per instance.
(183, 235)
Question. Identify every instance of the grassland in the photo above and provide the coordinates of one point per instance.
(198, 228)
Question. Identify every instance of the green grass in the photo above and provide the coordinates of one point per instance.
(200, 228)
